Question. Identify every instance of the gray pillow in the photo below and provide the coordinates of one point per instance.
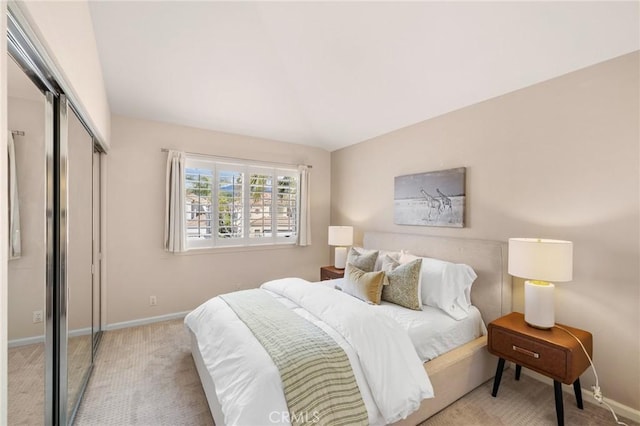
(363, 261)
(404, 285)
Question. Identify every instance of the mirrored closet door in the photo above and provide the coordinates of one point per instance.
(27, 113)
(54, 266)
(79, 258)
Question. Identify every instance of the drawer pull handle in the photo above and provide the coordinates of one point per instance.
(526, 352)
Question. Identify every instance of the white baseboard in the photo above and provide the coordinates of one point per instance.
(25, 341)
(84, 331)
(587, 396)
(619, 409)
(80, 332)
(40, 339)
(145, 321)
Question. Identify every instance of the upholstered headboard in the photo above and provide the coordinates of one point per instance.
(491, 291)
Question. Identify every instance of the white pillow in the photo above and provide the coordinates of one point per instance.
(388, 263)
(445, 285)
(395, 255)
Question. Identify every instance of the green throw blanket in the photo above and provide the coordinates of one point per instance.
(319, 385)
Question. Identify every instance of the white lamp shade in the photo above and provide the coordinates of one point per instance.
(541, 259)
(340, 235)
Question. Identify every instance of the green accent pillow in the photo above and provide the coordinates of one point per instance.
(365, 286)
(404, 285)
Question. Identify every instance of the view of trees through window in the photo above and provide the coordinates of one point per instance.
(240, 205)
(262, 205)
(198, 188)
(287, 205)
(230, 205)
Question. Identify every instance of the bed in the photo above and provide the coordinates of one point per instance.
(458, 371)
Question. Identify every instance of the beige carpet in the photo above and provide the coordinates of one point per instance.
(26, 367)
(146, 376)
(525, 402)
(26, 385)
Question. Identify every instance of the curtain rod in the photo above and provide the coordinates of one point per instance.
(237, 158)
(17, 133)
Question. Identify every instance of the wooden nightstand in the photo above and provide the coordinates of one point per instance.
(553, 353)
(330, 273)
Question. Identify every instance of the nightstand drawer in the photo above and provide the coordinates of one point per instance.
(324, 275)
(536, 355)
(330, 273)
(556, 353)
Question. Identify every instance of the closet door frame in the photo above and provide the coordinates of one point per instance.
(62, 293)
(51, 259)
(96, 268)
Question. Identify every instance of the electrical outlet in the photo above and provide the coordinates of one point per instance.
(37, 316)
(153, 301)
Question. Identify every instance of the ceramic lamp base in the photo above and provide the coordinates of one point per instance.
(538, 305)
(340, 258)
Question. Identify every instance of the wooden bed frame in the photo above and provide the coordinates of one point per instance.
(461, 370)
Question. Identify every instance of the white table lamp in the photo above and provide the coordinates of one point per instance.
(540, 261)
(341, 237)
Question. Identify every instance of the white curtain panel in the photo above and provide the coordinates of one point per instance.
(304, 210)
(15, 249)
(175, 233)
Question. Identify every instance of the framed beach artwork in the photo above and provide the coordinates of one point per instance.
(430, 199)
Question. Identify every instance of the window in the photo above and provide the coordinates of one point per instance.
(239, 204)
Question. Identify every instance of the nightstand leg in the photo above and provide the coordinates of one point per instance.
(578, 391)
(518, 370)
(557, 387)
(496, 380)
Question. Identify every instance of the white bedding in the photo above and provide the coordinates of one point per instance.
(432, 331)
(389, 373)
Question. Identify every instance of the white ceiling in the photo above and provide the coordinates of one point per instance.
(331, 74)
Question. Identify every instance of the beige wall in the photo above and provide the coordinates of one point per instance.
(138, 267)
(560, 160)
(26, 275)
(65, 29)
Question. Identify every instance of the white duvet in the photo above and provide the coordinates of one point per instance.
(389, 373)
